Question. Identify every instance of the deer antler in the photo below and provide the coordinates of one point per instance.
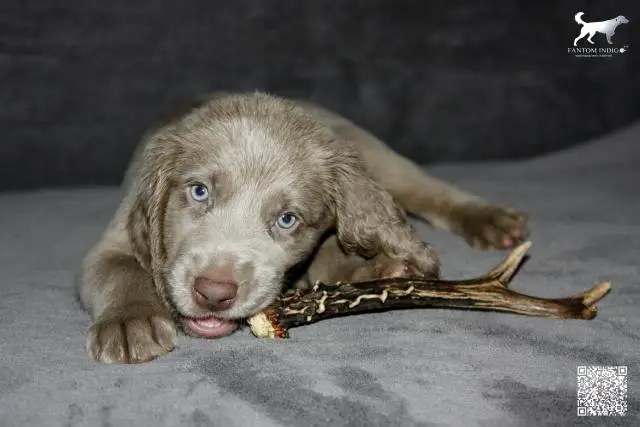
(490, 292)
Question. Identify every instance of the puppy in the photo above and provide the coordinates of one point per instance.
(608, 27)
(243, 194)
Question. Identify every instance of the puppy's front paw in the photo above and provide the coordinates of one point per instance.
(423, 262)
(383, 267)
(486, 226)
(134, 334)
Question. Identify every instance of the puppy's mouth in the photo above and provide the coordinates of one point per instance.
(209, 327)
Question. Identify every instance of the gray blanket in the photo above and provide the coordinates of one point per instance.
(401, 368)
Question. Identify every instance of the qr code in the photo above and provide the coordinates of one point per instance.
(602, 390)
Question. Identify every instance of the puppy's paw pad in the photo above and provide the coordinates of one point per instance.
(136, 336)
(492, 227)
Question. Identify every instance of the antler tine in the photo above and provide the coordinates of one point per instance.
(504, 271)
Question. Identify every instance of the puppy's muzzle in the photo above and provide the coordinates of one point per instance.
(216, 288)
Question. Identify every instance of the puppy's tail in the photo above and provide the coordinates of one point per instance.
(579, 19)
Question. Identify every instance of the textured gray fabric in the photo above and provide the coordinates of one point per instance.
(82, 79)
(409, 368)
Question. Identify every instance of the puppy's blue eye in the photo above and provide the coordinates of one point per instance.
(199, 192)
(287, 221)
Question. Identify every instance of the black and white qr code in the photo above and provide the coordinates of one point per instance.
(602, 391)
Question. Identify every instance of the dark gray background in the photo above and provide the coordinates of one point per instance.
(80, 80)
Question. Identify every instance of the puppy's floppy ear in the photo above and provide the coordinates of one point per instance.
(145, 222)
(370, 222)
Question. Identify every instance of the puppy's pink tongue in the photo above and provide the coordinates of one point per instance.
(210, 327)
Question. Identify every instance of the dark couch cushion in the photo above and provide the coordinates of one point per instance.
(439, 80)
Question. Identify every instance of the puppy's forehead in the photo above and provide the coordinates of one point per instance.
(244, 150)
(245, 154)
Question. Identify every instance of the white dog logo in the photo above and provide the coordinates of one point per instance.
(608, 28)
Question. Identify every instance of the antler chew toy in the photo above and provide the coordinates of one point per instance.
(489, 292)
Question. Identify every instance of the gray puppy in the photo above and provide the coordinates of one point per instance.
(243, 194)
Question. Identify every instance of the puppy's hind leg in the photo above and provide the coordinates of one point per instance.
(591, 34)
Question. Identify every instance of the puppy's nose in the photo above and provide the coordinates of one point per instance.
(216, 288)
